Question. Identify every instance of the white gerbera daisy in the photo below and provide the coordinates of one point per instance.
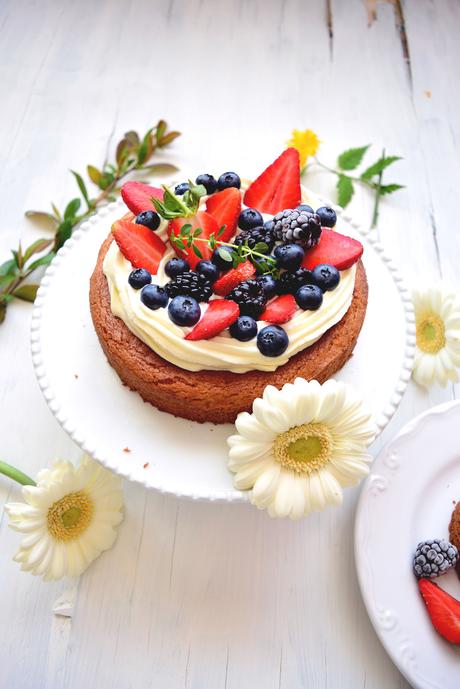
(300, 446)
(68, 518)
(437, 318)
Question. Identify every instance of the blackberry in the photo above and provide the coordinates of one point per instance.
(289, 282)
(297, 226)
(254, 236)
(190, 284)
(250, 297)
(434, 558)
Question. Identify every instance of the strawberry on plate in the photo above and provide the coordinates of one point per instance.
(443, 609)
(278, 187)
(142, 247)
(220, 314)
(335, 249)
(225, 284)
(208, 226)
(225, 207)
(138, 196)
(280, 310)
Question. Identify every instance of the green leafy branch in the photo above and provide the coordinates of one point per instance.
(371, 177)
(133, 153)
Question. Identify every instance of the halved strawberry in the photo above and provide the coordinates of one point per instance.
(201, 220)
(443, 609)
(280, 310)
(225, 207)
(278, 187)
(142, 247)
(335, 249)
(220, 314)
(138, 196)
(225, 284)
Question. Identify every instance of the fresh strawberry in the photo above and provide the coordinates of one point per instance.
(335, 249)
(278, 187)
(139, 245)
(138, 196)
(225, 207)
(201, 220)
(443, 609)
(280, 310)
(220, 314)
(225, 284)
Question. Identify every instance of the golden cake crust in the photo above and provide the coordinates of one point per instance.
(216, 396)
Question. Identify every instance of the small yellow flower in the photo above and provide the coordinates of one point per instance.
(306, 142)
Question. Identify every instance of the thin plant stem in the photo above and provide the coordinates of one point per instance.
(375, 214)
(16, 475)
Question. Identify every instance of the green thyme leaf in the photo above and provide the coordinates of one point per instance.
(390, 188)
(43, 219)
(37, 247)
(197, 251)
(26, 292)
(350, 159)
(168, 138)
(42, 261)
(8, 268)
(225, 254)
(345, 190)
(160, 168)
(221, 231)
(72, 209)
(261, 247)
(82, 187)
(63, 233)
(132, 138)
(379, 166)
(199, 231)
(94, 174)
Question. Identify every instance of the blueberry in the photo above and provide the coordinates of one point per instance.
(249, 218)
(309, 297)
(154, 297)
(305, 208)
(220, 261)
(208, 269)
(184, 310)
(272, 340)
(139, 277)
(181, 188)
(289, 256)
(207, 181)
(244, 328)
(327, 215)
(228, 179)
(176, 266)
(150, 219)
(326, 277)
(268, 283)
(269, 225)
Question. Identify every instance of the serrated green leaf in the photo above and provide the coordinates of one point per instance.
(26, 292)
(43, 219)
(82, 187)
(390, 188)
(350, 159)
(72, 209)
(37, 247)
(379, 166)
(42, 261)
(345, 190)
(196, 251)
(94, 174)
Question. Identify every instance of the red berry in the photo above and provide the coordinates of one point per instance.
(138, 196)
(220, 314)
(335, 249)
(225, 284)
(225, 207)
(142, 247)
(280, 310)
(278, 187)
(443, 609)
(201, 220)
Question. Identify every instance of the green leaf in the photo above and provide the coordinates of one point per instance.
(63, 233)
(26, 292)
(168, 138)
(261, 248)
(94, 174)
(350, 159)
(42, 261)
(197, 251)
(72, 209)
(221, 231)
(132, 138)
(43, 219)
(161, 168)
(161, 129)
(390, 188)
(145, 149)
(37, 247)
(345, 190)
(225, 254)
(56, 211)
(379, 166)
(8, 268)
(82, 187)
(6, 280)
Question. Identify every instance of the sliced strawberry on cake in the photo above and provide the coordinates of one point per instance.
(278, 187)
(138, 196)
(280, 310)
(225, 284)
(225, 207)
(443, 609)
(200, 221)
(334, 249)
(142, 247)
(219, 315)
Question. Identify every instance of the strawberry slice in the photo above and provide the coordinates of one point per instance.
(335, 249)
(443, 609)
(225, 284)
(225, 207)
(280, 310)
(278, 187)
(220, 314)
(138, 196)
(139, 245)
(201, 220)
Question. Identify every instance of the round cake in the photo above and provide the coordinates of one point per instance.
(209, 370)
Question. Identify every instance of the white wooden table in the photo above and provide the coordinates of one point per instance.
(202, 595)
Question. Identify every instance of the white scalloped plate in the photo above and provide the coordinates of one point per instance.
(408, 498)
(169, 454)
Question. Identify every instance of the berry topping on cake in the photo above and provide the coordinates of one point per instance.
(280, 310)
(272, 340)
(326, 277)
(335, 249)
(139, 245)
(305, 207)
(278, 187)
(290, 282)
(180, 189)
(203, 221)
(191, 284)
(309, 297)
(228, 179)
(208, 269)
(434, 558)
(289, 256)
(138, 196)
(139, 277)
(250, 297)
(154, 297)
(227, 282)
(268, 283)
(244, 329)
(327, 215)
(225, 207)
(219, 315)
(184, 310)
(223, 259)
(150, 219)
(443, 609)
(208, 181)
(249, 218)
(175, 266)
(297, 226)
(255, 236)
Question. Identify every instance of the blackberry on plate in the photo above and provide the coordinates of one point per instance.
(148, 218)
(309, 297)
(249, 218)
(254, 236)
(190, 284)
(299, 227)
(139, 277)
(250, 297)
(327, 215)
(290, 282)
(326, 277)
(289, 256)
(154, 297)
(228, 179)
(181, 188)
(175, 266)
(272, 340)
(268, 283)
(244, 328)
(208, 182)
(434, 558)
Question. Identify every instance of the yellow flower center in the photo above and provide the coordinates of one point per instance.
(70, 516)
(431, 333)
(304, 449)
